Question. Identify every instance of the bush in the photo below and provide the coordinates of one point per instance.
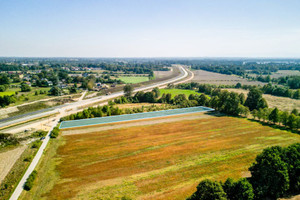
(54, 132)
(29, 182)
(28, 159)
(39, 133)
(7, 140)
(208, 190)
(36, 144)
(25, 87)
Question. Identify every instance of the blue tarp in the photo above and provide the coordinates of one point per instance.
(129, 117)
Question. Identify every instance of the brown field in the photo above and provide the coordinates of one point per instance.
(158, 161)
(202, 76)
(162, 74)
(281, 73)
(282, 103)
(8, 159)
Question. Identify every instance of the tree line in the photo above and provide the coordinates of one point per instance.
(274, 174)
(226, 102)
(110, 110)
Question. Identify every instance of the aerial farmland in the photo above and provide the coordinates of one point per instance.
(161, 158)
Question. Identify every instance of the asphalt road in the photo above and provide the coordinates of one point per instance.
(81, 102)
(62, 112)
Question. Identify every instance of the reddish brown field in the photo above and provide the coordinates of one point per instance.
(160, 161)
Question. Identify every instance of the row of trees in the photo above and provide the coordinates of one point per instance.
(275, 116)
(109, 110)
(293, 82)
(280, 91)
(274, 174)
(236, 104)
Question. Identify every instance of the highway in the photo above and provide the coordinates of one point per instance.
(75, 105)
(62, 112)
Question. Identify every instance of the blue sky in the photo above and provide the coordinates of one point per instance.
(150, 28)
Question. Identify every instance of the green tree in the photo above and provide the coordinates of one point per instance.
(209, 190)
(55, 91)
(292, 121)
(149, 97)
(2, 88)
(4, 79)
(240, 190)
(254, 113)
(243, 190)
(25, 87)
(262, 103)
(270, 177)
(242, 98)
(168, 97)
(243, 110)
(295, 112)
(156, 92)
(284, 118)
(292, 157)
(128, 89)
(253, 99)
(274, 116)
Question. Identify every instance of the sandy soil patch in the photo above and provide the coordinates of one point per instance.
(118, 125)
(292, 198)
(282, 103)
(8, 159)
(202, 76)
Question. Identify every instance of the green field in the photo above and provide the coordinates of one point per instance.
(134, 79)
(7, 93)
(175, 92)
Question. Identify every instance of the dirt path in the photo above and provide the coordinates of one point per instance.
(8, 159)
(144, 122)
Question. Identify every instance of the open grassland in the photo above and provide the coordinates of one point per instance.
(282, 103)
(11, 92)
(202, 76)
(134, 79)
(158, 161)
(175, 92)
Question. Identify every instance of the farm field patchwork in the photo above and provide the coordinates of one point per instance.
(202, 76)
(158, 161)
(134, 79)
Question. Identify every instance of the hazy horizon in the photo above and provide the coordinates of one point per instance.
(154, 29)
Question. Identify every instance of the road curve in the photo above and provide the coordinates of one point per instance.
(81, 102)
(17, 192)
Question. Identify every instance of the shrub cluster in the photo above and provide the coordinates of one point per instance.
(36, 144)
(29, 182)
(8, 140)
(54, 133)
